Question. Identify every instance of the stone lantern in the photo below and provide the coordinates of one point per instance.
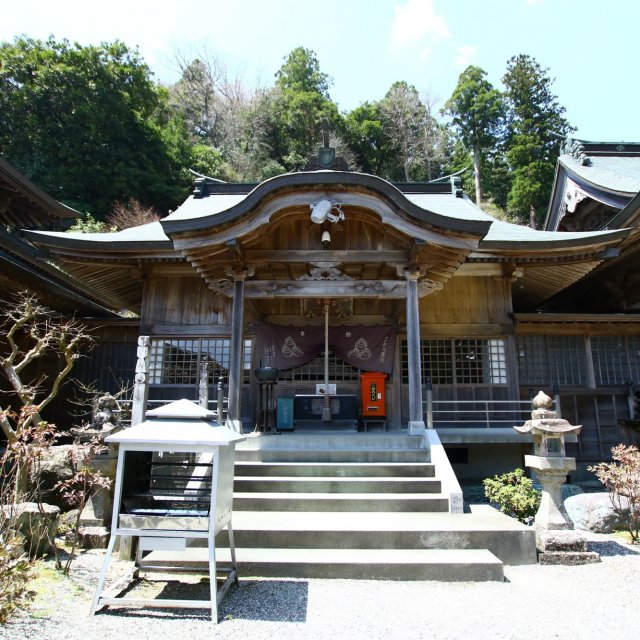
(557, 540)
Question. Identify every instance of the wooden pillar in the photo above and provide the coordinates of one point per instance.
(429, 393)
(236, 368)
(556, 400)
(141, 382)
(203, 385)
(416, 418)
(220, 401)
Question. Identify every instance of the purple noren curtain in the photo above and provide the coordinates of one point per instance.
(366, 348)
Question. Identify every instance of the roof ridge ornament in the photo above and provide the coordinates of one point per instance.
(326, 159)
(574, 147)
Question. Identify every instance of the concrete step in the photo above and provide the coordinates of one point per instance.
(392, 502)
(332, 485)
(360, 506)
(371, 564)
(484, 528)
(378, 455)
(318, 440)
(333, 447)
(337, 469)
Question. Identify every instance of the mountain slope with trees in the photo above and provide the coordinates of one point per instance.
(92, 127)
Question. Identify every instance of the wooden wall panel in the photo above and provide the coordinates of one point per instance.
(468, 300)
(182, 300)
(354, 233)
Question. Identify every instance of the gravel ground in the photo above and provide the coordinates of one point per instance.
(596, 601)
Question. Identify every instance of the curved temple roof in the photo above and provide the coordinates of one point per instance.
(438, 208)
(184, 220)
(433, 213)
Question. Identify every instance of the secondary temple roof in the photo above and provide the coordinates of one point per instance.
(597, 187)
(23, 204)
(594, 181)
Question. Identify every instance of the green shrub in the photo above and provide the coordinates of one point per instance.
(514, 493)
(15, 572)
(88, 224)
(622, 480)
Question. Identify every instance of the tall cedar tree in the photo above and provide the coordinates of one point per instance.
(301, 104)
(477, 111)
(533, 116)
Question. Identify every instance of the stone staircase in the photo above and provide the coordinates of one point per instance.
(360, 506)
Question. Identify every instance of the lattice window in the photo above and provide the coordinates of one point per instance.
(533, 362)
(436, 358)
(313, 371)
(610, 363)
(616, 359)
(460, 361)
(496, 361)
(176, 361)
(545, 360)
(567, 360)
(480, 361)
(633, 351)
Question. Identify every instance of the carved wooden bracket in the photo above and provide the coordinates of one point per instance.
(240, 274)
(410, 272)
(325, 271)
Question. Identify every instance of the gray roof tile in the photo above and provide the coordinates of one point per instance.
(620, 174)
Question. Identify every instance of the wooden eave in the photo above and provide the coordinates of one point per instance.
(546, 248)
(628, 216)
(247, 236)
(117, 278)
(118, 284)
(576, 323)
(280, 261)
(113, 272)
(61, 244)
(22, 268)
(53, 290)
(544, 269)
(539, 283)
(622, 270)
(250, 236)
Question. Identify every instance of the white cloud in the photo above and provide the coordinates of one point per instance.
(415, 22)
(425, 53)
(465, 55)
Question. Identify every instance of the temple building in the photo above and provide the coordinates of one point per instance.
(23, 205)
(327, 274)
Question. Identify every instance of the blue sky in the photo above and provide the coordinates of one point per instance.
(366, 45)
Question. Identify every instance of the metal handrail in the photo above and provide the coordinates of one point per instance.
(484, 412)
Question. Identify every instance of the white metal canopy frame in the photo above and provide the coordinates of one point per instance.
(185, 492)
